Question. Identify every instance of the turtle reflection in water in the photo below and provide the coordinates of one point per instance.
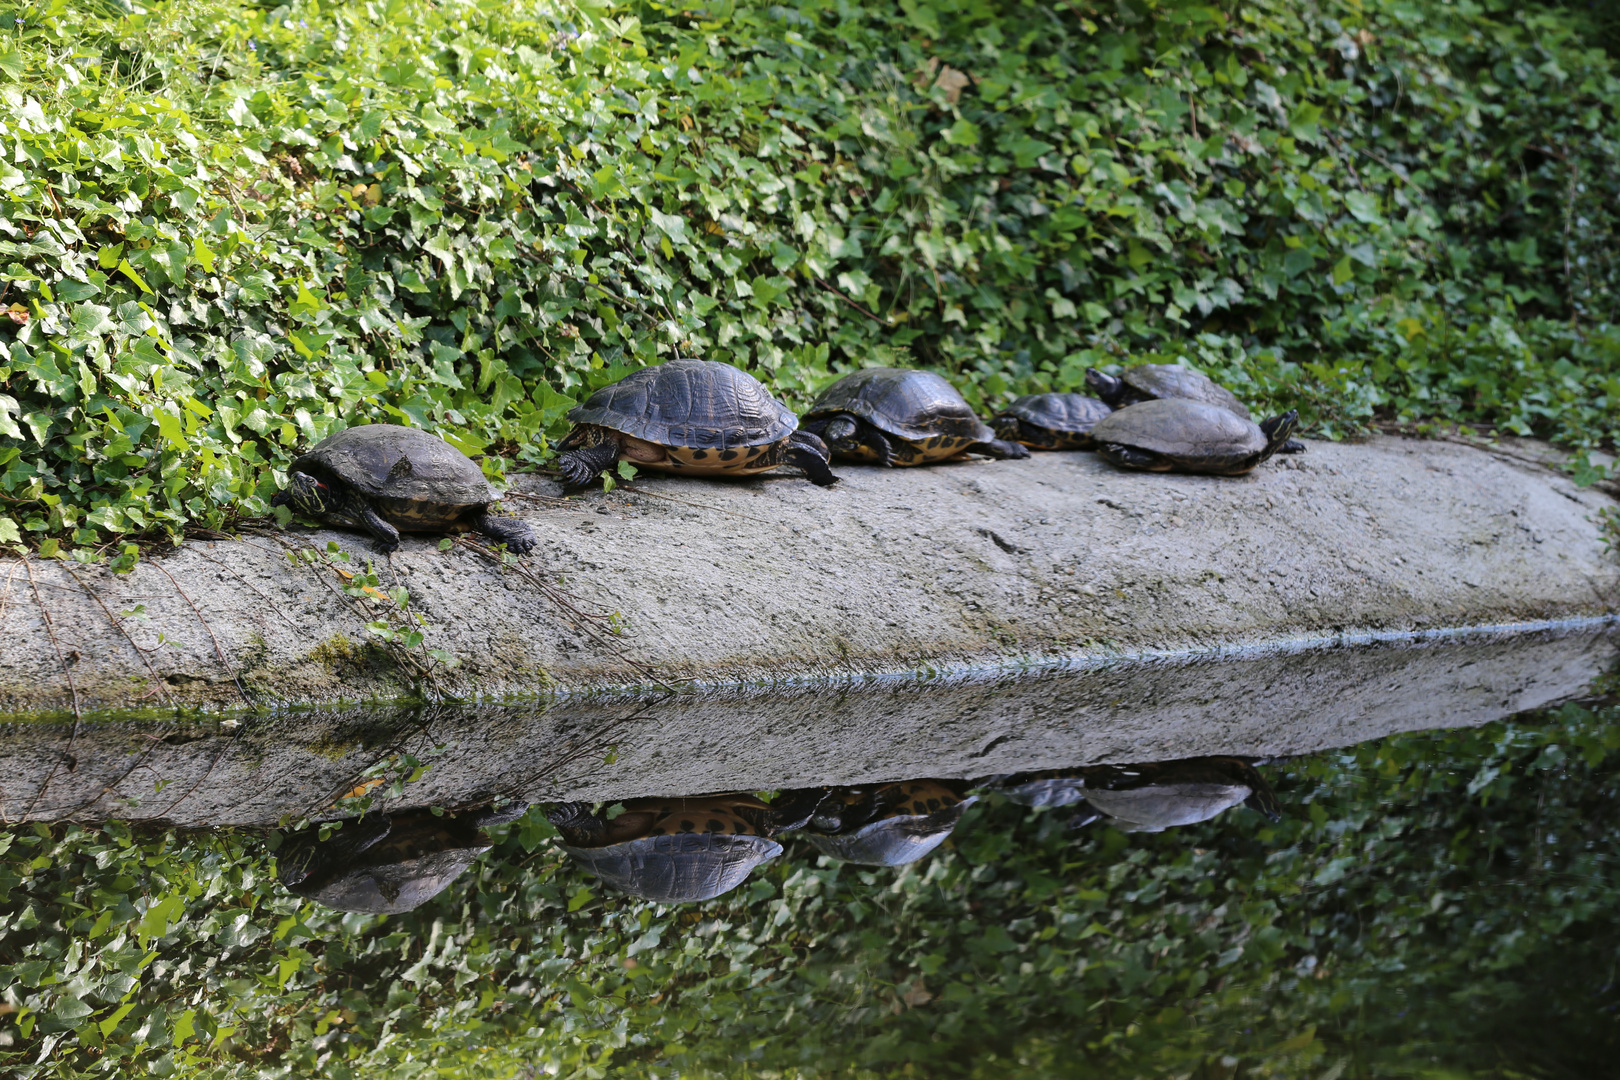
(387, 863)
(679, 849)
(1149, 797)
(887, 824)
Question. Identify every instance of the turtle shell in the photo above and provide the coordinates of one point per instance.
(1186, 432)
(1069, 417)
(394, 887)
(913, 405)
(1163, 806)
(892, 841)
(698, 404)
(679, 868)
(416, 480)
(1148, 381)
(1049, 791)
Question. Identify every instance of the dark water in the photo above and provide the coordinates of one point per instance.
(1437, 903)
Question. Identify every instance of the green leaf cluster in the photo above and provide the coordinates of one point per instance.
(1434, 904)
(227, 229)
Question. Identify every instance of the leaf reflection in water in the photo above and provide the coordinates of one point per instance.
(1440, 901)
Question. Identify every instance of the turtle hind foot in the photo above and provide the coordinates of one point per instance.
(518, 536)
(1002, 448)
(387, 537)
(580, 467)
(1132, 458)
(810, 454)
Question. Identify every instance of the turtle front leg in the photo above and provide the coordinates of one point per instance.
(1000, 448)
(518, 536)
(580, 467)
(810, 454)
(387, 537)
(791, 810)
(1292, 446)
(1132, 458)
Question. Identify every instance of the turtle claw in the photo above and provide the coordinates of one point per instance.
(580, 467)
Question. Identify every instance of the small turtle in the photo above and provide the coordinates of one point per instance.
(1174, 434)
(387, 863)
(1051, 421)
(888, 824)
(1148, 382)
(388, 479)
(677, 850)
(693, 417)
(897, 416)
(1039, 789)
(1157, 796)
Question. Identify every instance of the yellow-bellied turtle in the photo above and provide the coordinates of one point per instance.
(387, 863)
(388, 479)
(1051, 421)
(1174, 434)
(1149, 382)
(897, 416)
(887, 824)
(692, 417)
(680, 849)
(1157, 796)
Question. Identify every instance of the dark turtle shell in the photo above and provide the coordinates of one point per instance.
(415, 479)
(913, 405)
(1161, 795)
(390, 888)
(1058, 421)
(1047, 791)
(1187, 434)
(1146, 382)
(894, 840)
(699, 404)
(381, 864)
(678, 868)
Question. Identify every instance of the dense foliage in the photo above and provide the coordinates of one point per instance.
(1434, 904)
(226, 227)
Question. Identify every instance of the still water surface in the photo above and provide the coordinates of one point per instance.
(1433, 903)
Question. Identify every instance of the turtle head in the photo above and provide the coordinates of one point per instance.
(841, 433)
(1104, 385)
(306, 495)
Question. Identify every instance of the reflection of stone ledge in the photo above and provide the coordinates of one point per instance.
(902, 570)
(616, 746)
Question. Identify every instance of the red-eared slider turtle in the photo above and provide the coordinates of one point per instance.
(1173, 434)
(897, 416)
(388, 479)
(1051, 421)
(682, 849)
(386, 863)
(887, 824)
(1154, 797)
(692, 417)
(1149, 382)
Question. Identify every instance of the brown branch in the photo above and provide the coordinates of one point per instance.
(78, 715)
(938, 290)
(217, 650)
(118, 625)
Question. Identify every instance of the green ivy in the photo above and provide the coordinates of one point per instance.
(227, 229)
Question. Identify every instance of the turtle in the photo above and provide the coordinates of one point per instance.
(387, 863)
(1156, 796)
(887, 824)
(388, 479)
(1147, 382)
(677, 850)
(1039, 789)
(691, 417)
(1050, 421)
(1174, 434)
(899, 416)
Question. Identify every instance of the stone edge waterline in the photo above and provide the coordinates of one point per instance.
(944, 674)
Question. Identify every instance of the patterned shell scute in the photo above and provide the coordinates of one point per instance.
(680, 868)
(385, 461)
(1059, 412)
(701, 404)
(1164, 806)
(395, 887)
(1181, 429)
(1175, 381)
(893, 841)
(914, 405)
